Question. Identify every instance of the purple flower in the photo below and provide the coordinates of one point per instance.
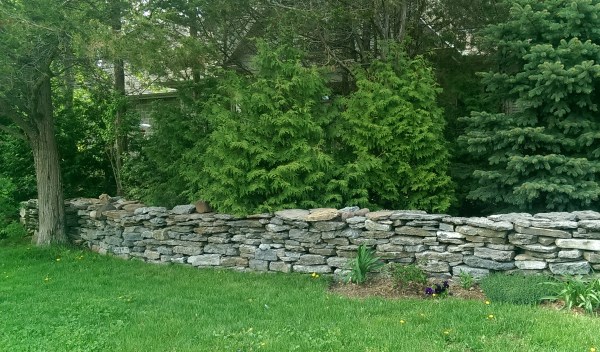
(429, 291)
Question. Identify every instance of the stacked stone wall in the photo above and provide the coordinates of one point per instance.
(324, 240)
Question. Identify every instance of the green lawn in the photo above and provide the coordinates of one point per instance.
(71, 300)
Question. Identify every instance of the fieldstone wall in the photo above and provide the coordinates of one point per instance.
(323, 240)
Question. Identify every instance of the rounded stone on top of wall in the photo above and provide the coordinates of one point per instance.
(184, 209)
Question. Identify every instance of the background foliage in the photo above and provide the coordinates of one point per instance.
(358, 105)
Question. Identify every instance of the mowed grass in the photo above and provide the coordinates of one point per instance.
(73, 300)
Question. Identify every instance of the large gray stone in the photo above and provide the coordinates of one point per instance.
(371, 225)
(531, 264)
(414, 231)
(542, 232)
(277, 228)
(406, 240)
(434, 266)
(489, 224)
(487, 263)
(205, 260)
(356, 220)
(319, 269)
(572, 268)
(338, 262)
(588, 245)
(258, 265)
(324, 226)
(583, 233)
(280, 266)
(493, 254)
(415, 215)
(593, 225)
(587, 215)
(293, 214)
(209, 230)
(477, 231)
(450, 237)
(188, 250)
(591, 257)
(455, 258)
(225, 249)
(304, 236)
(556, 216)
(550, 224)
(477, 273)
(521, 239)
(539, 248)
(511, 217)
(311, 259)
(501, 247)
(245, 223)
(234, 261)
(570, 254)
(377, 234)
(388, 247)
(268, 254)
(184, 209)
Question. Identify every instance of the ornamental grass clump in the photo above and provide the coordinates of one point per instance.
(516, 288)
(364, 263)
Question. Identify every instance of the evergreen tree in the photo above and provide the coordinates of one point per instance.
(540, 149)
(392, 133)
(266, 148)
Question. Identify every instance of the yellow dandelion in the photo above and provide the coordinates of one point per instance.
(447, 332)
(433, 295)
(593, 349)
(46, 279)
(58, 259)
(402, 321)
(491, 316)
(487, 302)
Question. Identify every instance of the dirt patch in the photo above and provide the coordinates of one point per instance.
(384, 287)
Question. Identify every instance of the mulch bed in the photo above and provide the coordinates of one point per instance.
(385, 288)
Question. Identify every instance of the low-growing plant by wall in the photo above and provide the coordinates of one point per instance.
(323, 240)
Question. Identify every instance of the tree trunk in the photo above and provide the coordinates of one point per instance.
(51, 205)
(119, 86)
(119, 71)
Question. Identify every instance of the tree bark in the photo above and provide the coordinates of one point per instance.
(51, 205)
(119, 147)
(119, 86)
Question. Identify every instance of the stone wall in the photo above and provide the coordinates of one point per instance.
(323, 240)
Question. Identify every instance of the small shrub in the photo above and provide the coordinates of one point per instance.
(516, 288)
(402, 275)
(13, 230)
(365, 262)
(577, 292)
(466, 280)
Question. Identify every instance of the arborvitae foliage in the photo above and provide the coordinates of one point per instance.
(155, 172)
(392, 132)
(265, 151)
(540, 148)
